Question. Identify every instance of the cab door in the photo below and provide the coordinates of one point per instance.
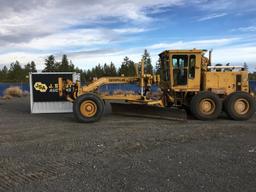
(180, 70)
(194, 72)
(186, 71)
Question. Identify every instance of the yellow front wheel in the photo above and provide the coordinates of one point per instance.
(88, 108)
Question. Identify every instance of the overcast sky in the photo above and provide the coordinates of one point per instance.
(94, 31)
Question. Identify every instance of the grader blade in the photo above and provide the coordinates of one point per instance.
(139, 110)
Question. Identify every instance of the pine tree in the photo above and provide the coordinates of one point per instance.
(245, 66)
(106, 70)
(131, 68)
(30, 67)
(77, 70)
(82, 75)
(97, 71)
(27, 68)
(5, 70)
(157, 67)
(64, 66)
(127, 68)
(16, 73)
(88, 76)
(124, 67)
(33, 67)
(57, 67)
(3, 74)
(147, 62)
(112, 70)
(71, 67)
(50, 65)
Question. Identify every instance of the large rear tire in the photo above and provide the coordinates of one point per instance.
(206, 106)
(88, 108)
(239, 106)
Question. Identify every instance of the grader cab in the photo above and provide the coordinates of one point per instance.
(187, 80)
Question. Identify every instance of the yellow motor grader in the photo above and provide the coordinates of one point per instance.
(187, 80)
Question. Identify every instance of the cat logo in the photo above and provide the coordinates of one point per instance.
(40, 87)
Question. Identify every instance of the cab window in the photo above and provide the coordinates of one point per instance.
(192, 66)
(180, 71)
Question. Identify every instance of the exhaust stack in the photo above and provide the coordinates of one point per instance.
(210, 58)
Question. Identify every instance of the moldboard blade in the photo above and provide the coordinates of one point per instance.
(141, 110)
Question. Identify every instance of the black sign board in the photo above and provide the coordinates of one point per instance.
(45, 86)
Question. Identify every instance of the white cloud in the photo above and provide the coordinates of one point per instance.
(36, 19)
(208, 43)
(212, 16)
(230, 6)
(216, 5)
(31, 30)
(68, 40)
(236, 55)
(117, 59)
(31, 26)
(246, 29)
(226, 50)
(23, 58)
(84, 37)
(130, 30)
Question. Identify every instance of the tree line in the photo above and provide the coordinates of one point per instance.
(127, 67)
(252, 76)
(17, 73)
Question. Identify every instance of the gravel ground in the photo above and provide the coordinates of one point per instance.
(52, 152)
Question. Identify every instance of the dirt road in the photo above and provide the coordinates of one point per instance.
(53, 152)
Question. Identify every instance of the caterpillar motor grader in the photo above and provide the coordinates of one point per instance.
(187, 80)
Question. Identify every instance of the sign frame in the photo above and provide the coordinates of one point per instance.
(61, 106)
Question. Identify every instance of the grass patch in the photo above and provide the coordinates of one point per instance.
(13, 92)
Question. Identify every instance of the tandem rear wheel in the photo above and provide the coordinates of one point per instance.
(88, 108)
(206, 106)
(239, 106)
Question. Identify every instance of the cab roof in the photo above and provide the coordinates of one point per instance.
(184, 51)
